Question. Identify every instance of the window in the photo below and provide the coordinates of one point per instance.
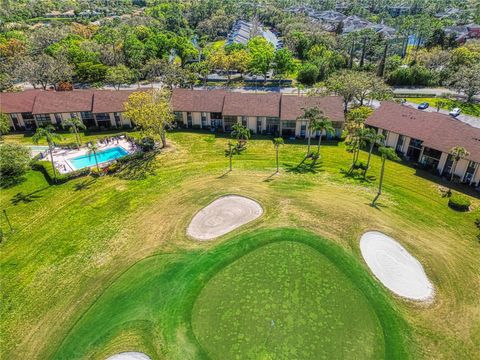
(43, 119)
(400, 142)
(229, 121)
(27, 116)
(204, 119)
(289, 124)
(469, 174)
(118, 119)
(87, 118)
(273, 125)
(189, 119)
(103, 119)
(259, 125)
(244, 120)
(58, 119)
(216, 116)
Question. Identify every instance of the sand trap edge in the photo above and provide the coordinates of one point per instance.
(129, 355)
(262, 212)
(424, 299)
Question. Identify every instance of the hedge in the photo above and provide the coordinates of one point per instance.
(459, 202)
(45, 167)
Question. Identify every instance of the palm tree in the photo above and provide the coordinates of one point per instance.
(230, 153)
(276, 143)
(373, 138)
(241, 133)
(458, 153)
(48, 133)
(310, 115)
(93, 149)
(386, 153)
(75, 124)
(321, 125)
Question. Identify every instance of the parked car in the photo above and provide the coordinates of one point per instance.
(455, 112)
(423, 105)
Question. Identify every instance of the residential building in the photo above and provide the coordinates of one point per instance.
(32, 108)
(242, 31)
(265, 113)
(427, 138)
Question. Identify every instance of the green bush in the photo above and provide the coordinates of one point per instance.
(14, 160)
(46, 169)
(459, 202)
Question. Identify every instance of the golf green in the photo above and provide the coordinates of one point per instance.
(286, 300)
(265, 294)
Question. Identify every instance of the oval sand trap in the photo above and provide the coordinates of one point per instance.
(222, 216)
(395, 267)
(129, 355)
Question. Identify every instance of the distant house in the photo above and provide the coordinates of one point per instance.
(450, 13)
(463, 33)
(399, 10)
(242, 31)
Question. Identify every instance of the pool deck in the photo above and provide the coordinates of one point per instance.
(61, 157)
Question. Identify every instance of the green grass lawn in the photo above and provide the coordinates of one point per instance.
(467, 108)
(323, 303)
(286, 299)
(74, 245)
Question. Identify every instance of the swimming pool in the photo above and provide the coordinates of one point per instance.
(84, 161)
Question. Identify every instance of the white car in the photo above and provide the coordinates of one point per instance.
(455, 112)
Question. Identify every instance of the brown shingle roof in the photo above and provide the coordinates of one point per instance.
(438, 131)
(292, 105)
(237, 103)
(18, 102)
(105, 101)
(198, 100)
(48, 102)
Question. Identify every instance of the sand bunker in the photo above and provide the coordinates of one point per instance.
(395, 267)
(130, 355)
(222, 216)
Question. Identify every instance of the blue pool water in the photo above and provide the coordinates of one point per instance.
(83, 161)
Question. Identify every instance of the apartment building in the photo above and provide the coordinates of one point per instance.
(427, 138)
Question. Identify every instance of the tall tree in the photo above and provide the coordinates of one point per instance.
(118, 75)
(373, 138)
(47, 133)
(151, 111)
(323, 123)
(263, 54)
(311, 115)
(458, 153)
(467, 80)
(92, 149)
(386, 153)
(277, 142)
(283, 64)
(75, 124)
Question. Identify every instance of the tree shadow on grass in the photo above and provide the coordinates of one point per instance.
(358, 176)
(305, 168)
(138, 167)
(376, 206)
(224, 175)
(26, 198)
(84, 185)
(271, 177)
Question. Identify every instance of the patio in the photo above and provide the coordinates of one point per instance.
(62, 157)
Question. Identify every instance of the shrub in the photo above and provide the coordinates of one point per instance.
(459, 202)
(46, 169)
(308, 74)
(14, 161)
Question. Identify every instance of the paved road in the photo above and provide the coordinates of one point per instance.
(472, 120)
